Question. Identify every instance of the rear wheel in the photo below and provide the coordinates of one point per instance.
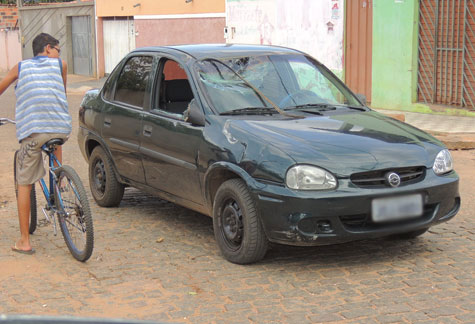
(237, 227)
(74, 213)
(105, 188)
(33, 210)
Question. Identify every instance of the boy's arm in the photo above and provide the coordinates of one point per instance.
(65, 74)
(11, 76)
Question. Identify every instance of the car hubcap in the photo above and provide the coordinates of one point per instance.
(99, 176)
(232, 226)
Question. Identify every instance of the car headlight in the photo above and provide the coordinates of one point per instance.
(443, 162)
(307, 177)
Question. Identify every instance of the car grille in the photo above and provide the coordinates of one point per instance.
(363, 222)
(376, 179)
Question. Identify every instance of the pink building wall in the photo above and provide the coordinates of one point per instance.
(10, 49)
(175, 31)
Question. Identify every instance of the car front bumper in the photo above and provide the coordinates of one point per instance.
(328, 217)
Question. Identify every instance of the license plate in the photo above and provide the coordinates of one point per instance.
(396, 208)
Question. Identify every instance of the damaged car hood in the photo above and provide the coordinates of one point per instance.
(343, 143)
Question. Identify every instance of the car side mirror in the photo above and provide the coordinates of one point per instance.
(193, 114)
(362, 98)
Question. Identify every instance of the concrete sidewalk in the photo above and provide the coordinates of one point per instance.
(79, 84)
(457, 133)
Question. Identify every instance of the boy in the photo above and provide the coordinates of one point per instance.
(41, 114)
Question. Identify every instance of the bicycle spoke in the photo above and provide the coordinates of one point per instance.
(79, 226)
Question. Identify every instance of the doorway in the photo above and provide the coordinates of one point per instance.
(358, 46)
(81, 45)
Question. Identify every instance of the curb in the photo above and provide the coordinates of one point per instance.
(455, 142)
(462, 141)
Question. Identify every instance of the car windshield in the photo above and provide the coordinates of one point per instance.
(289, 81)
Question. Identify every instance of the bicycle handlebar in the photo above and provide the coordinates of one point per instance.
(4, 121)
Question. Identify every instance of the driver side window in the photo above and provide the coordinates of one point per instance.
(310, 79)
(173, 90)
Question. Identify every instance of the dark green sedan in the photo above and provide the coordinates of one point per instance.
(266, 141)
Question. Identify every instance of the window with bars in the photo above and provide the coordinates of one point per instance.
(446, 72)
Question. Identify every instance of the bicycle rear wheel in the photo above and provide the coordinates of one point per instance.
(33, 210)
(74, 213)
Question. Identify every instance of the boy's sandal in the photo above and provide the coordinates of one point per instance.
(15, 249)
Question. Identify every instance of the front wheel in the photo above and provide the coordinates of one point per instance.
(237, 227)
(74, 213)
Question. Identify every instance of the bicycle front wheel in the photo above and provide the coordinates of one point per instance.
(74, 213)
(33, 210)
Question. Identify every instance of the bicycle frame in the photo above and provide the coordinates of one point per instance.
(53, 185)
(48, 192)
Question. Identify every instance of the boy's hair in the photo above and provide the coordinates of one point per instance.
(41, 41)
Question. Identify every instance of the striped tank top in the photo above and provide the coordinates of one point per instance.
(41, 105)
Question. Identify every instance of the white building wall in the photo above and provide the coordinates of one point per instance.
(312, 26)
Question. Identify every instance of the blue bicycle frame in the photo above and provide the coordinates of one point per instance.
(49, 193)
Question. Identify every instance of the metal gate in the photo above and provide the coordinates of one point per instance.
(446, 72)
(81, 42)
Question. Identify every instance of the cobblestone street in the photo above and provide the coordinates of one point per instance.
(154, 260)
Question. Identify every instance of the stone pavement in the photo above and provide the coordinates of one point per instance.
(156, 261)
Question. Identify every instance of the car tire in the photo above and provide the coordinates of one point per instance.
(237, 227)
(411, 235)
(105, 188)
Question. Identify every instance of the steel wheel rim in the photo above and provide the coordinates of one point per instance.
(99, 176)
(231, 225)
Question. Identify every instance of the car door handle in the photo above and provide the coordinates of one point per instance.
(107, 122)
(147, 130)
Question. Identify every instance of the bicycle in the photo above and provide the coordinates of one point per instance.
(66, 198)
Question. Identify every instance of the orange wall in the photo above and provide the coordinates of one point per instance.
(105, 8)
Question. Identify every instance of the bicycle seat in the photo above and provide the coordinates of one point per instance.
(51, 144)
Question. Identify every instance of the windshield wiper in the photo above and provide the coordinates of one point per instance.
(360, 108)
(319, 106)
(251, 111)
(325, 107)
(355, 108)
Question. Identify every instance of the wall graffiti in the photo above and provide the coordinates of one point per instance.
(315, 27)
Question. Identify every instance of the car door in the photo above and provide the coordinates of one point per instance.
(169, 145)
(123, 115)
